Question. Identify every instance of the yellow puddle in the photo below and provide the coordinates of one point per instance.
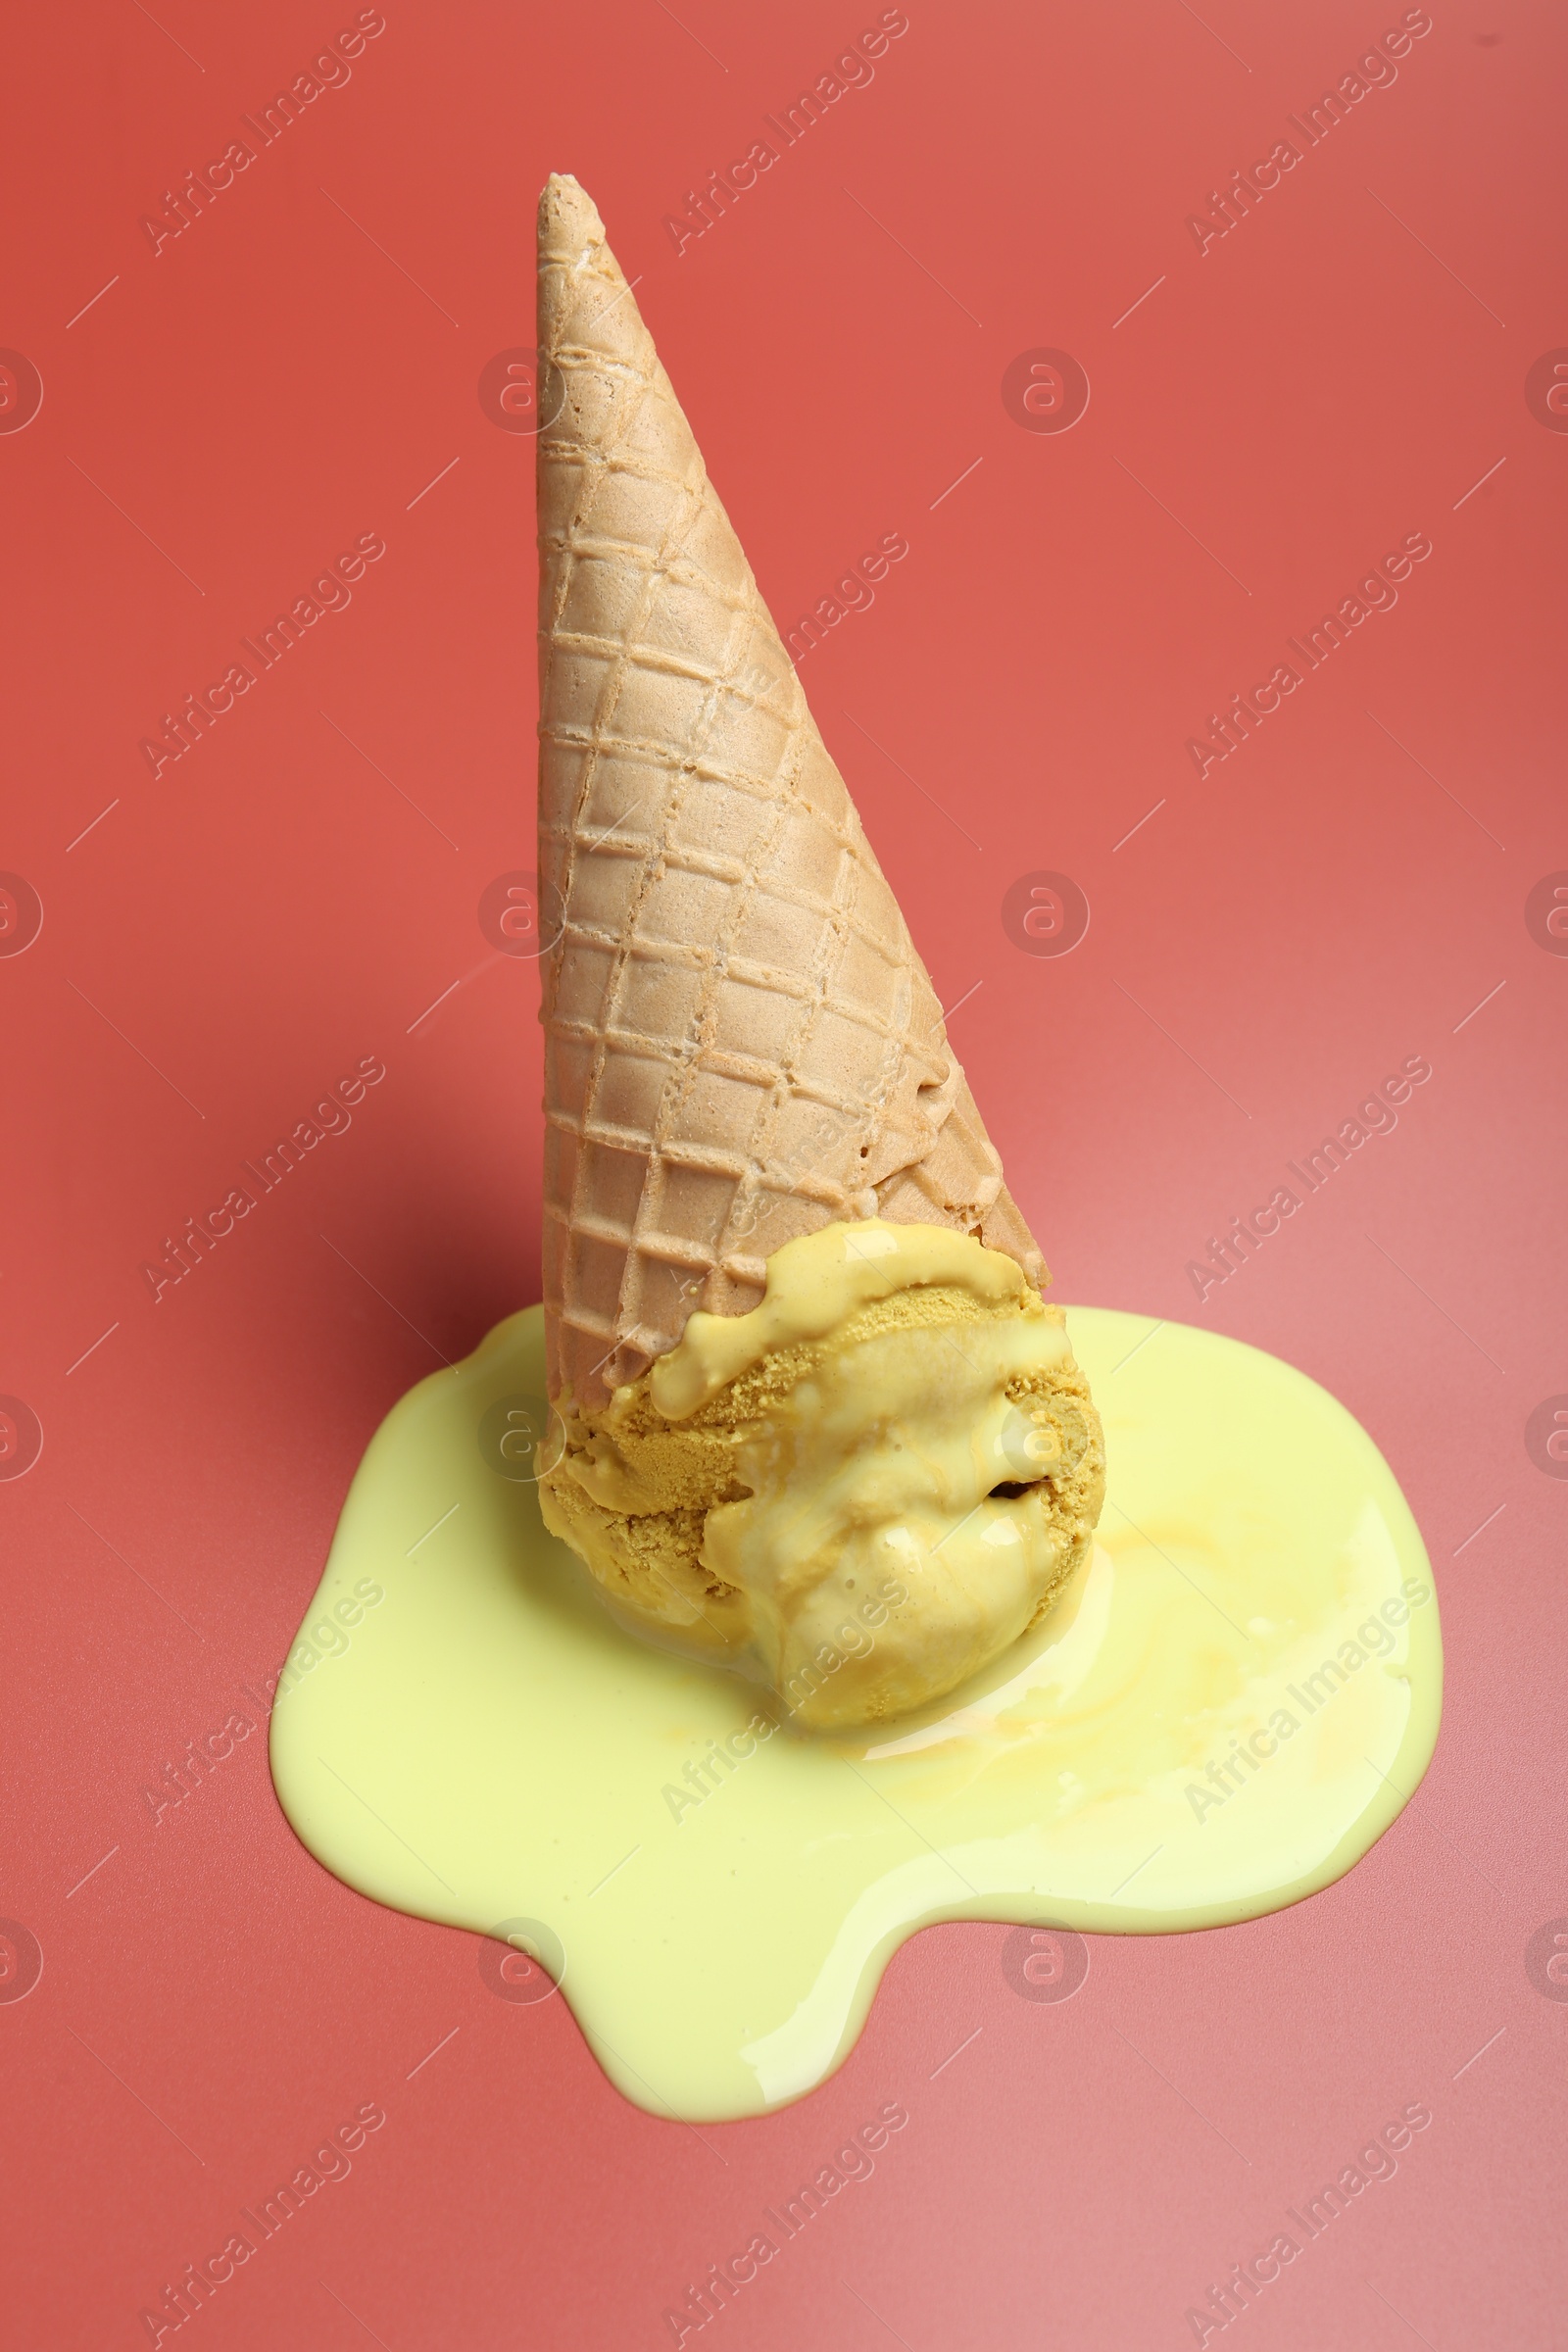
(1239, 1693)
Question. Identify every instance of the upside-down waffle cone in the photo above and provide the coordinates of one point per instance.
(740, 1042)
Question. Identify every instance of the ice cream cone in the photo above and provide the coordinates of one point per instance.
(741, 1042)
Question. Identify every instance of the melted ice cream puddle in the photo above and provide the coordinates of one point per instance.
(491, 1743)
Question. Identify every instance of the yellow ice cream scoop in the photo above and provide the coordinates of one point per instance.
(859, 1493)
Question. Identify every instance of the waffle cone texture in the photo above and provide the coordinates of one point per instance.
(741, 1042)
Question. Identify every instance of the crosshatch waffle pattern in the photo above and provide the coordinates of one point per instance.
(740, 1042)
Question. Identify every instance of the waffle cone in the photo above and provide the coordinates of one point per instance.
(740, 1042)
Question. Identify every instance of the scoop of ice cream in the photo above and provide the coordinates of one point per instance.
(859, 1493)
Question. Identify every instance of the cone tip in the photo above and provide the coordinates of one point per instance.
(567, 215)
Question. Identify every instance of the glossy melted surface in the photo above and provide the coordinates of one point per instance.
(1233, 1699)
(873, 1521)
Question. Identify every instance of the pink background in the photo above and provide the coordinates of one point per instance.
(299, 368)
